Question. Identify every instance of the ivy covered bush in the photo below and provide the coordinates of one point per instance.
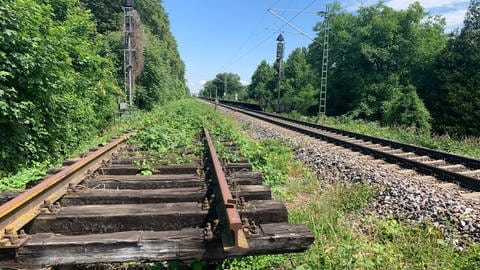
(55, 89)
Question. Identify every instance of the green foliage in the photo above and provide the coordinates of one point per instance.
(55, 89)
(298, 89)
(381, 66)
(172, 131)
(328, 212)
(381, 56)
(455, 94)
(228, 82)
(59, 79)
(155, 84)
(262, 87)
(36, 170)
(107, 14)
(396, 67)
(163, 78)
(19, 180)
(384, 243)
(408, 110)
(270, 157)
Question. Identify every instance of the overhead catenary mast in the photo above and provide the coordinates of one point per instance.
(322, 103)
(128, 27)
(278, 66)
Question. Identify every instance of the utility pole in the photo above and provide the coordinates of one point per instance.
(278, 66)
(128, 27)
(322, 102)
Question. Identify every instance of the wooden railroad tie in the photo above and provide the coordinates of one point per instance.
(181, 212)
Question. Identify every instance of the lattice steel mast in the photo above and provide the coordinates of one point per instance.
(322, 103)
(128, 8)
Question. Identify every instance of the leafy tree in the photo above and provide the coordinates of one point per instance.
(210, 90)
(299, 94)
(408, 108)
(455, 97)
(224, 81)
(262, 87)
(375, 54)
(108, 14)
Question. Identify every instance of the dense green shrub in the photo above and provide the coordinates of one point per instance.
(60, 79)
(55, 89)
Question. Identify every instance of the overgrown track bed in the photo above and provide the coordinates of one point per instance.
(204, 210)
(460, 170)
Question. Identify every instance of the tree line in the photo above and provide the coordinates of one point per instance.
(397, 67)
(61, 73)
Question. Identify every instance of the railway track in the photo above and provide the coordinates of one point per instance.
(463, 171)
(100, 209)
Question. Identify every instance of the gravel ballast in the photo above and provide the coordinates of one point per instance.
(402, 194)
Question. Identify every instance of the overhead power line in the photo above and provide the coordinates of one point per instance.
(253, 33)
(241, 55)
(296, 10)
(278, 30)
(293, 26)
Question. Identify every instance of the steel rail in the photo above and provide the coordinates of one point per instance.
(313, 130)
(419, 150)
(19, 211)
(228, 204)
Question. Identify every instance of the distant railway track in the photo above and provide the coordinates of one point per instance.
(101, 209)
(464, 171)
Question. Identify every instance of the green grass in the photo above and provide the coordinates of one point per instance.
(332, 215)
(339, 244)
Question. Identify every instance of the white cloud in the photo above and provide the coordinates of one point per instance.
(203, 82)
(243, 82)
(402, 4)
(455, 18)
(453, 10)
(354, 5)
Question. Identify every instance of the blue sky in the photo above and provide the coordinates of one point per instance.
(217, 36)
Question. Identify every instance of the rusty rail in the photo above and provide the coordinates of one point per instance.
(228, 203)
(19, 211)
